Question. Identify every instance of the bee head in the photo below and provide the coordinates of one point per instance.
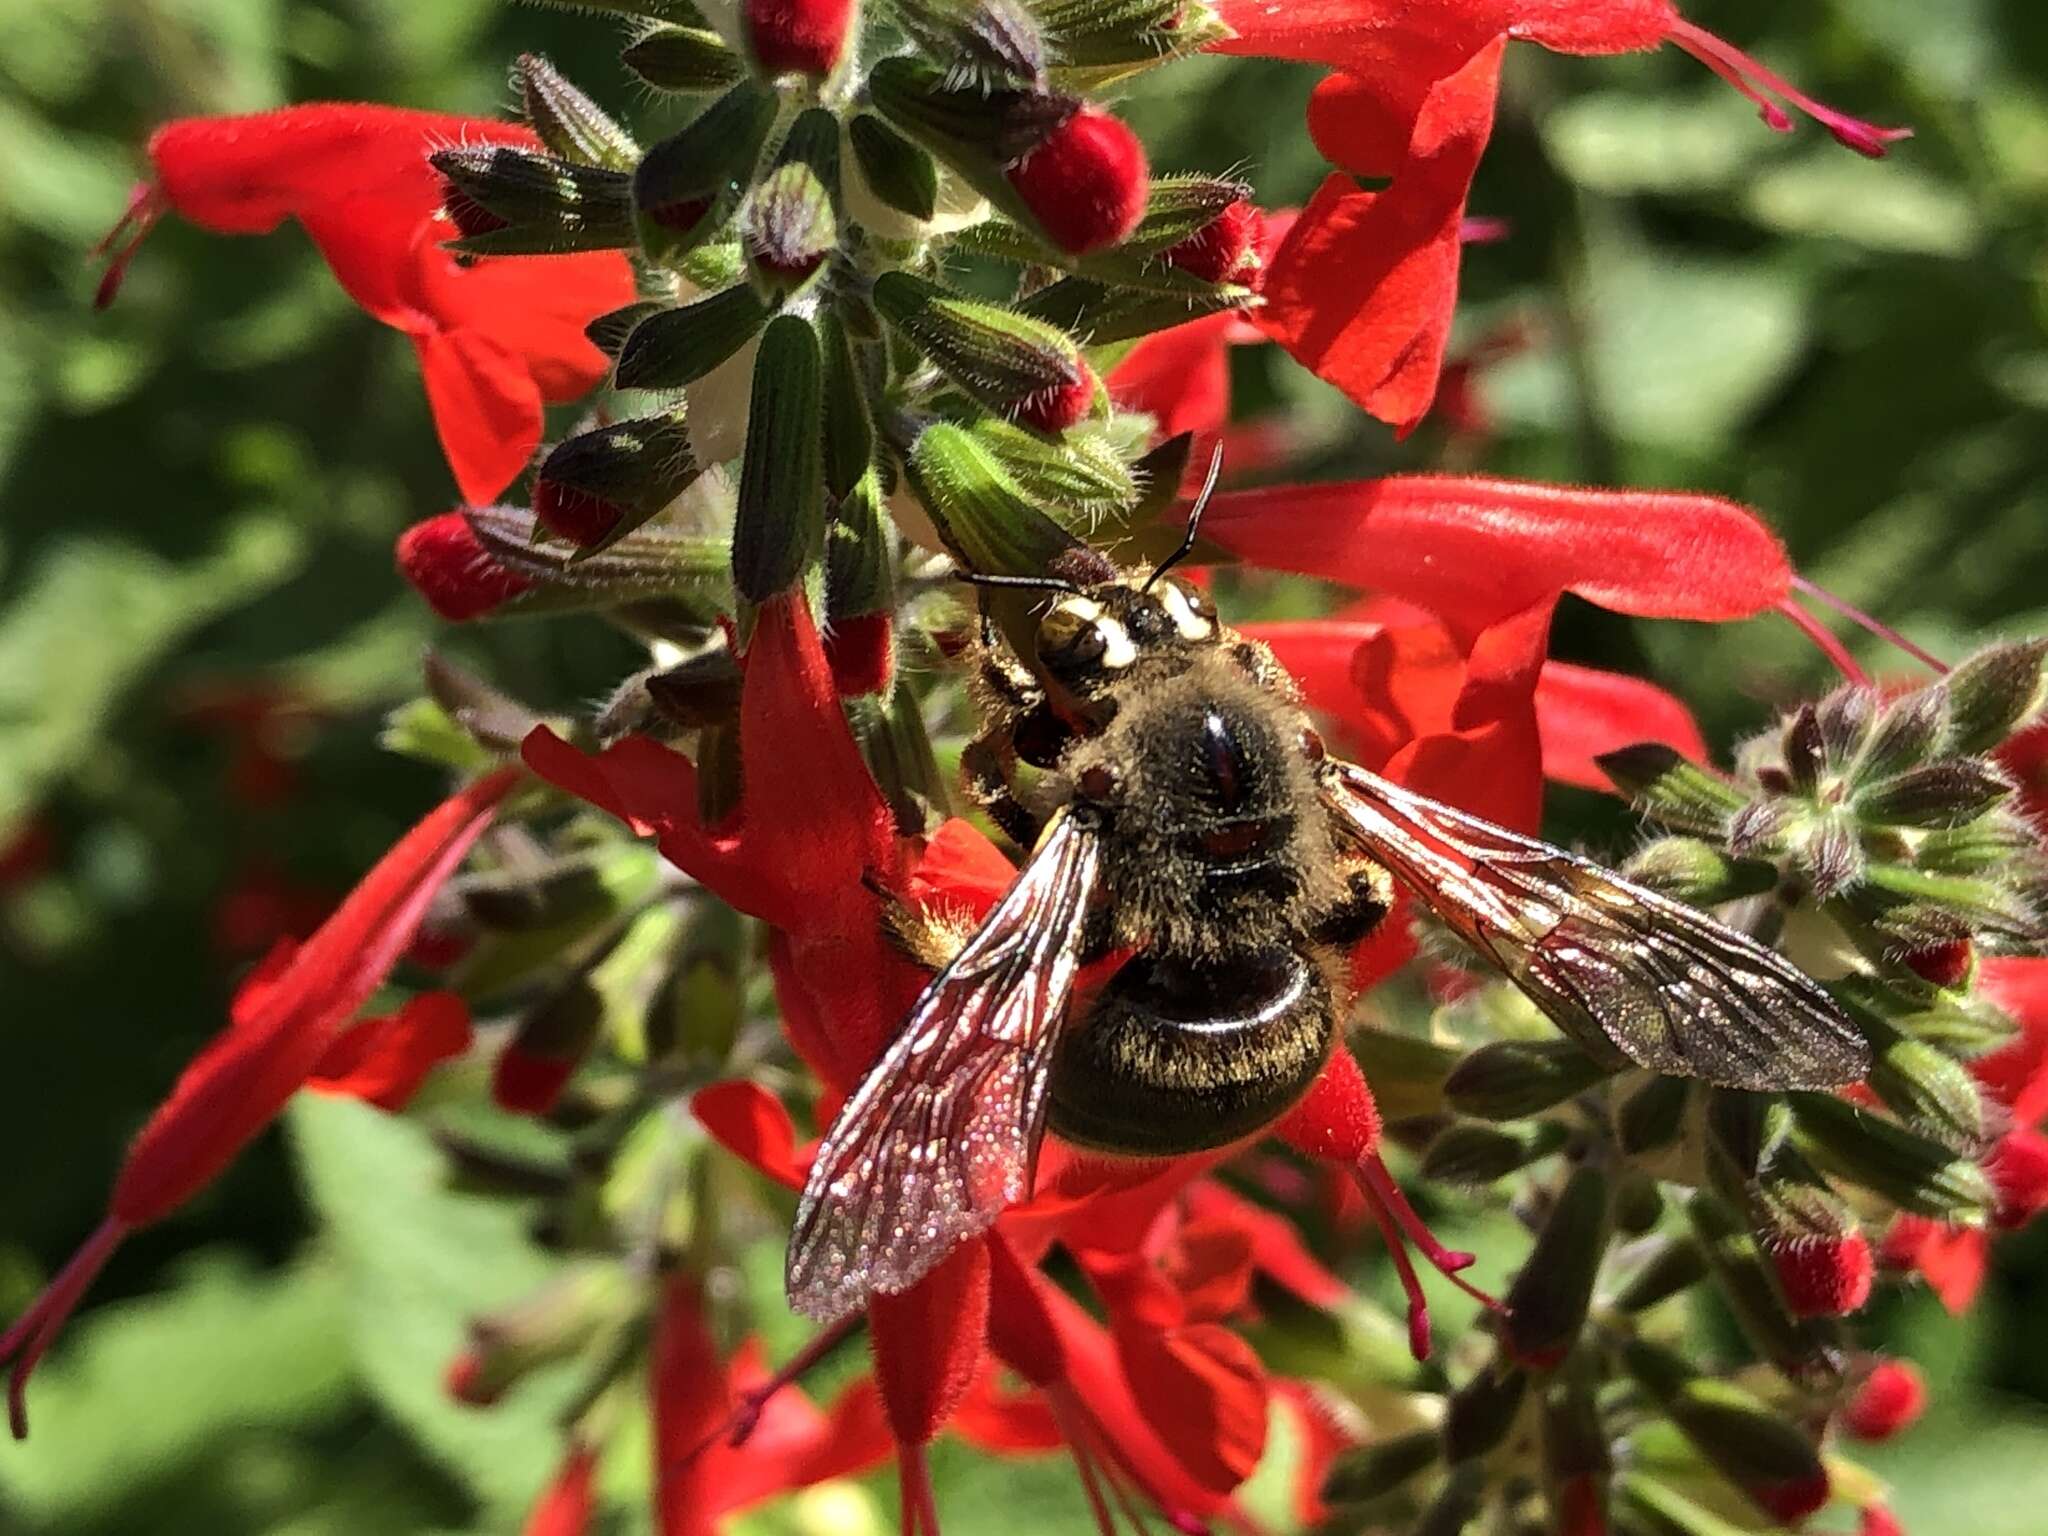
(1096, 638)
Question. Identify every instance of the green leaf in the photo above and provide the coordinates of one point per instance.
(1621, 142)
(1880, 204)
(138, 1388)
(418, 1262)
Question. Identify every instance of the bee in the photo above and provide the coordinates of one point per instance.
(1188, 815)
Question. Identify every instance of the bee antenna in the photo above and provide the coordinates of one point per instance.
(1035, 583)
(1194, 521)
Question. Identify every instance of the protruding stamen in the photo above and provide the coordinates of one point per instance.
(1400, 1225)
(745, 1417)
(1824, 641)
(1759, 84)
(1864, 621)
(146, 204)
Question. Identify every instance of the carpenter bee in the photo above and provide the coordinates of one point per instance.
(1188, 815)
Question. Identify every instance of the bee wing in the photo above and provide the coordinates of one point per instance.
(942, 1133)
(1608, 960)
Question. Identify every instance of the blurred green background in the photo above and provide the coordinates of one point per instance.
(200, 628)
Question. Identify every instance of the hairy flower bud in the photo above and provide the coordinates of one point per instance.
(1907, 734)
(508, 201)
(1994, 693)
(1696, 871)
(1920, 1175)
(1099, 42)
(1020, 368)
(1825, 1276)
(1084, 182)
(548, 1044)
(2018, 1167)
(1888, 1400)
(598, 485)
(688, 59)
(1470, 1152)
(988, 43)
(569, 123)
(980, 512)
(1946, 794)
(1546, 1306)
(447, 565)
(787, 227)
(779, 527)
(797, 37)
(669, 348)
(1671, 790)
(1511, 1079)
(688, 183)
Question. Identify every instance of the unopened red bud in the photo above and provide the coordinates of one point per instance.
(447, 565)
(1946, 965)
(547, 1046)
(575, 515)
(797, 37)
(1791, 1500)
(2018, 1166)
(1825, 1276)
(1054, 409)
(1084, 182)
(1876, 1520)
(1889, 1400)
(470, 217)
(1224, 250)
(468, 1382)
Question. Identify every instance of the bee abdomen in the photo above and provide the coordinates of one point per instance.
(1179, 1055)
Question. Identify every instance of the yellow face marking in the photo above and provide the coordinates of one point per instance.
(1192, 625)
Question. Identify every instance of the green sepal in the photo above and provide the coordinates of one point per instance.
(684, 59)
(1672, 790)
(779, 526)
(674, 347)
(550, 207)
(689, 184)
(896, 171)
(1884, 1157)
(568, 122)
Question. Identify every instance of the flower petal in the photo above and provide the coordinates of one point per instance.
(1180, 376)
(752, 1124)
(384, 1061)
(1582, 712)
(486, 409)
(930, 1342)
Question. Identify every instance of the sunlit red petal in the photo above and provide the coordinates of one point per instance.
(929, 1343)
(1180, 376)
(567, 1504)
(1582, 712)
(384, 1061)
(751, 1123)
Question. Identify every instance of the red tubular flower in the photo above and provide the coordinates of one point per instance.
(1085, 182)
(1877, 1520)
(1362, 291)
(1890, 1399)
(1180, 377)
(383, 1061)
(284, 1024)
(447, 564)
(567, 1503)
(496, 338)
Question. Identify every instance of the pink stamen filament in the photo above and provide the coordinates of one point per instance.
(1877, 627)
(1824, 641)
(146, 204)
(33, 1332)
(1753, 80)
(746, 1414)
(920, 1507)
(1400, 1225)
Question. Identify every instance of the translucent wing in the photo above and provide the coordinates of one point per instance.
(941, 1135)
(1661, 981)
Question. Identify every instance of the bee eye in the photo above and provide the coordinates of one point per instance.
(1065, 633)
(1312, 746)
(1098, 782)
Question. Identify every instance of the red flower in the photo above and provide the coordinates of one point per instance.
(285, 1028)
(447, 564)
(702, 1469)
(496, 338)
(568, 1502)
(1890, 1399)
(383, 1061)
(1362, 291)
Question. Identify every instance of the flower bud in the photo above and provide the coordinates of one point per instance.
(645, 565)
(1674, 1265)
(1886, 1401)
(447, 564)
(1082, 476)
(1100, 42)
(1577, 1455)
(787, 228)
(779, 526)
(1804, 752)
(548, 1044)
(1224, 250)
(1763, 1454)
(1995, 692)
(577, 1309)
(896, 171)
(987, 43)
(1907, 734)
(608, 332)
(1999, 841)
(797, 37)
(569, 123)
(849, 449)
(1020, 368)
(1546, 1306)
(691, 59)
(1105, 312)
(1949, 965)
(2018, 1166)
(688, 183)
(1917, 909)
(1083, 183)
(1807, 1349)
(1845, 718)
(1373, 1471)
(1877, 1520)
(1930, 1091)
(1825, 1276)
(1469, 1152)
(595, 486)
(508, 201)
(1695, 871)
(1761, 827)
(1479, 1414)
(1946, 794)
(1910, 1171)
(984, 517)
(1652, 1116)
(1671, 790)
(1513, 1079)
(669, 348)
(858, 570)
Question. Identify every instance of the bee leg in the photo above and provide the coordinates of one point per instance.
(1368, 897)
(987, 762)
